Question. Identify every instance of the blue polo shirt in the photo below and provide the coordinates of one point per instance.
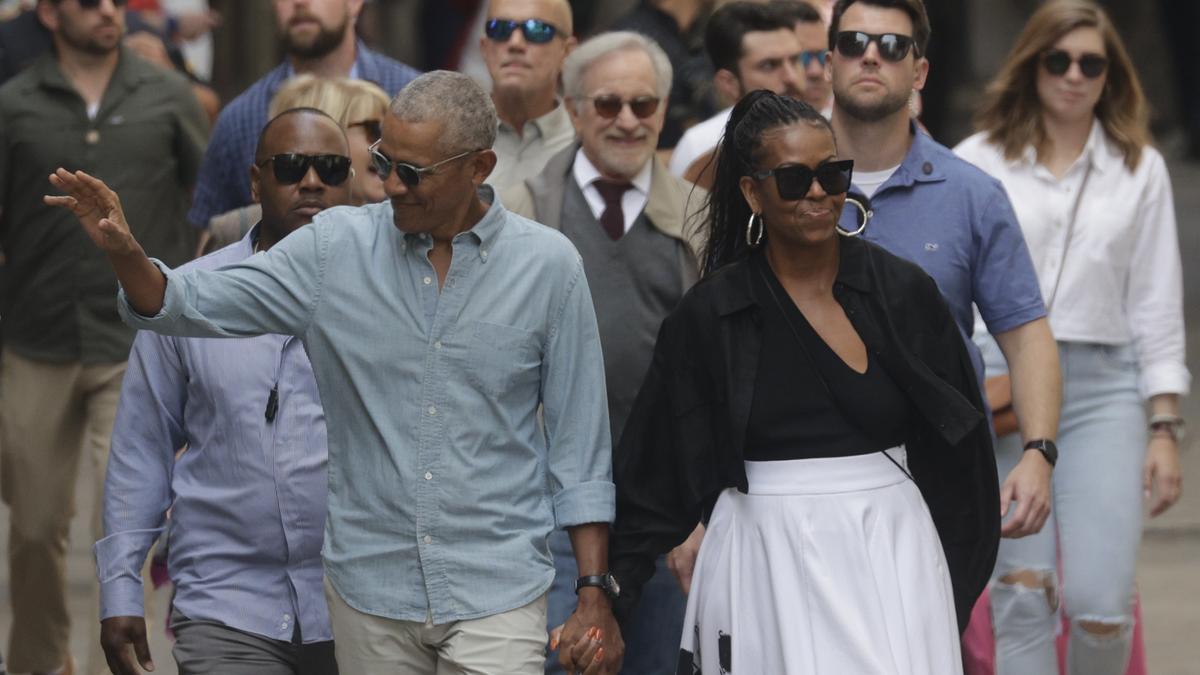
(955, 221)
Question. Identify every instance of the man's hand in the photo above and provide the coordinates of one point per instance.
(682, 559)
(1162, 477)
(98, 209)
(117, 635)
(1028, 484)
(592, 622)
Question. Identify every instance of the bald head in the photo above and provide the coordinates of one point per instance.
(524, 72)
(285, 130)
(555, 12)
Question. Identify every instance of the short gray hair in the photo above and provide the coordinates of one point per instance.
(590, 51)
(452, 98)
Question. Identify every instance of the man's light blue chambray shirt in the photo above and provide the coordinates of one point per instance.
(956, 222)
(443, 485)
(247, 498)
(223, 183)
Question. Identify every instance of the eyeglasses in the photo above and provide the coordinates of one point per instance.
(793, 181)
(1057, 63)
(410, 175)
(609, 106)
(373, 128)
(892, 46)
(818, 55)
(93, 4)
(290, 168)
(536, 31)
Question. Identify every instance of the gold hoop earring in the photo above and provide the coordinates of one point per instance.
(752, 239)
(866, 217)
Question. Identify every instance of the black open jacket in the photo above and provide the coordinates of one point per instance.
(684, 442)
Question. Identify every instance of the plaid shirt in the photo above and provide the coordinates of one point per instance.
(224, 182)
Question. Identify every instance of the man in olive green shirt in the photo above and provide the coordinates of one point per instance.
(94, 106)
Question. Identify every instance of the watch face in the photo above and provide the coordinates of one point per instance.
(613, 586)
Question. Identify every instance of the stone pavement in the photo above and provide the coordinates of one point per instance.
(1168, 571)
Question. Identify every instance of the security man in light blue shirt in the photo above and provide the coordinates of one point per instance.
(247, 496)
(438, 324)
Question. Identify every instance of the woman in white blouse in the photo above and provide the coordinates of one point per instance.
(1063, 127)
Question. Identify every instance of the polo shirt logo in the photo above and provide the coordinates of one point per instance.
(931, 246)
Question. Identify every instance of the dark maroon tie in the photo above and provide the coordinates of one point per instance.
(613, 218)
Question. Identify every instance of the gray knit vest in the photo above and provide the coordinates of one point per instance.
(635, 282)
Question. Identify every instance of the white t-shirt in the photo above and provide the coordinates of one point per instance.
(696, 141)
(869, 181)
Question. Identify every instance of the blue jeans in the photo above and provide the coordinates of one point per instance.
(1095, 527)
(651, 635)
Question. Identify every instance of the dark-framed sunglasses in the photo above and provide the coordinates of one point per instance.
(373, 129)
(1057, 62)
(794, 180)
(93, 4)
(290, 168)
(818, 55)
(609, 106)
(536, 31)
(407, 173)
(892, 46)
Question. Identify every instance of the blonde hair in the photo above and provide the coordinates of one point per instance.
(346, 101)
(1011, 110)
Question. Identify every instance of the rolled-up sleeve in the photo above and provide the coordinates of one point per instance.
(274, 292)
(575, 405)
(1154, 295)
(147, 432)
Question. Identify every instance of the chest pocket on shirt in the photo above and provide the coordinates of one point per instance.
(501, 357)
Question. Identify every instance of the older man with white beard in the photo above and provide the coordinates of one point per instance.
(626, 214)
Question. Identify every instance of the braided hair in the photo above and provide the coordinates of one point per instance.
(737, 154)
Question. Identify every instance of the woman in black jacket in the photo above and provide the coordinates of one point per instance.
(812, 401)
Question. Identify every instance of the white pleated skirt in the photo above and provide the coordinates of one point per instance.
(826, 567)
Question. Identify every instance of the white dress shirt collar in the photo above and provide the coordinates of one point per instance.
(632, 202)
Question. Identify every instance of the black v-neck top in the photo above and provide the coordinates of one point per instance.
(814, 405)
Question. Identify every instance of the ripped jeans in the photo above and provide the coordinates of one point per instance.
(1094, 530)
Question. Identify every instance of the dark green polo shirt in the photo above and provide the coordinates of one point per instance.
(58, 293)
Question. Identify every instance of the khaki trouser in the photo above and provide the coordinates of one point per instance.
(50, 414)
(513, 642)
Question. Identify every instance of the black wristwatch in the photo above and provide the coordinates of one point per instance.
(1045, 446)
(605, 582)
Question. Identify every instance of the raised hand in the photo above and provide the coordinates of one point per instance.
(98, 209)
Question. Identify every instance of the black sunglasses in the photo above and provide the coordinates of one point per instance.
(794, 180)
(1058, 62)
(93, 4)
(892, 46)
(410, 175)
(816, 54)
(609, 106)
(290, 168)
(536, 31)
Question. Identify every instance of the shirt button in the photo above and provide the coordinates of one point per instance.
(428, 539)
(483, 254)
(432, 410)
(428, 475)
(428, 280)
(287, 617)
(437, 344)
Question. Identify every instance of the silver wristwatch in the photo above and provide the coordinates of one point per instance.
(1172, 424)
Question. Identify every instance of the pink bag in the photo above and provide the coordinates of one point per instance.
(979, 646)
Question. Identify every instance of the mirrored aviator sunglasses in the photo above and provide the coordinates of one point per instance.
(290, 168)
(1058, 62)
(609, 106)
(536, 31)
(893, 47)
(794, 181)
